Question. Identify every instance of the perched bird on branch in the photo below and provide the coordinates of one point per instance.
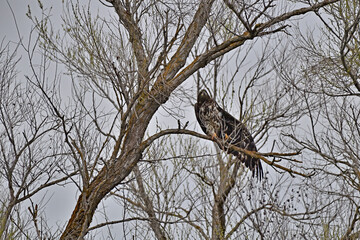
(226, 130)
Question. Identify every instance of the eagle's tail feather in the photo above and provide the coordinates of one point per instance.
(253, 164)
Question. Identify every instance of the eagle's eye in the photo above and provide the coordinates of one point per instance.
(203, 96)
(203, 93)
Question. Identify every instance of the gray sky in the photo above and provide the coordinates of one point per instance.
(7, 24)
(60, 200)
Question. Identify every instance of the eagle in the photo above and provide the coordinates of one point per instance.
(226, 129)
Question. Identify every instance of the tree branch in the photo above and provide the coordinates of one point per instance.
(237, 225)
(293, 13)
(148, 205)
(219, 50)
(254, 154)
(135, 38)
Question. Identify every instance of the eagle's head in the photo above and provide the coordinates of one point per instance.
(203, 96)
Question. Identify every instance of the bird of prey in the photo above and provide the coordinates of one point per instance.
(220, 125)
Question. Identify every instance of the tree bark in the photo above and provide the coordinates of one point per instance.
(227, 182)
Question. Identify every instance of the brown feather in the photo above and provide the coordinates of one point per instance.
(214, 120)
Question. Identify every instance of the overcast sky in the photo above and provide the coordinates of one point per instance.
(7, 24)
(60, 201)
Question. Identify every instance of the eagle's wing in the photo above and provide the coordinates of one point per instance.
(233, 132)
(237, 134)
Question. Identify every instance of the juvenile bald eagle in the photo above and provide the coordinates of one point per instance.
(217, 123)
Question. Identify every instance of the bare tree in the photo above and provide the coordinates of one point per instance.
(200, 193)
(29, 156)
(327, 78)
(123, 69)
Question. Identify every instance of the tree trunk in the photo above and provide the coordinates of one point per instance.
(111, 175)
(131, 152)
(218, 220)
(5, 216)
(227, 182)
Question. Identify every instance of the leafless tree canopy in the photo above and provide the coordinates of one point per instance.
(103, 102)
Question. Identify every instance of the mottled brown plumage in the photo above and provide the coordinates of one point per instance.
(218, 123)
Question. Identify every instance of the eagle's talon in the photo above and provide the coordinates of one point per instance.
(213, 136)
